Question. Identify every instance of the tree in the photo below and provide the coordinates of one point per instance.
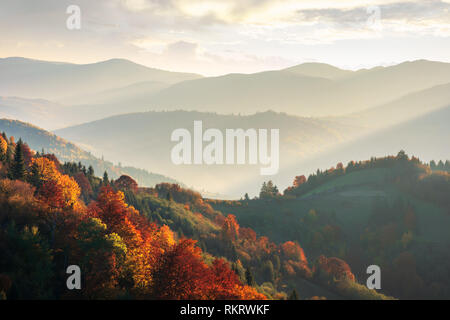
(101, 257)
(230, 228)
(18, 166)
(3, 148)
(28, 154)
(334, 268)
(90, 172)
(54, 188)
(268, 271)
(293, 251)
(249, 278)
(433, 165)
(268, 190)
(105, 178)
(180, 273)
(293, 295)
(26, 258)
(402, 156)
(126, 183)
(299, 180)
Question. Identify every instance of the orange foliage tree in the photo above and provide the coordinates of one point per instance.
(230, 227)
(334, 267)
(55, 189)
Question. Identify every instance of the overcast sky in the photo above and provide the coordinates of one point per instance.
(223, 36)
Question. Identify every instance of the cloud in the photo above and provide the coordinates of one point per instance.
(215, 35)
(408, 12)
(182, 50)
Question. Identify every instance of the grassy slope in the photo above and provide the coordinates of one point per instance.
(350, 197)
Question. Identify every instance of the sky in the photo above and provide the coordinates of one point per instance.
(215, 37)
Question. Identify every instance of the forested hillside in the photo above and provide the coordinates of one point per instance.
(131, 242)
(393, 212)
(39, 139)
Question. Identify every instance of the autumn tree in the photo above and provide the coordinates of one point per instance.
(299, 180)
(334, 267)
(230, 228)
(54, 188)
(102, 257)
(180, 273)
(126, 183)
(28, 154)
(3, 148)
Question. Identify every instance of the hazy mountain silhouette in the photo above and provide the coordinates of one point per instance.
(305, 90)
(406, 108)
(144, 140)
(319, 70)
(29, 78)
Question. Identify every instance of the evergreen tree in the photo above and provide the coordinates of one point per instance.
(249, 277)
(293, 295)
(433, 165)
(9, 154)
(268, 271)
(105, 178)
(18, 165)
(268, 190)
(90, 172)
(35, 178)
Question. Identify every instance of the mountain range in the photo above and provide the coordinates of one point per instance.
(127, 112)
(76, 94)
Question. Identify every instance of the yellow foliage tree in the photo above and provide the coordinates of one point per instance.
(3, 145)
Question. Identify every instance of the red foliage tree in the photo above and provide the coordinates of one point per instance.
(126, 183)
(230, 228)
(335, 267)
(180, 273)
(299, 180)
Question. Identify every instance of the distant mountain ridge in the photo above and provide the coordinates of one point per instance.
(29, 78)
(95, 91)
(144, 140)
(305, 90)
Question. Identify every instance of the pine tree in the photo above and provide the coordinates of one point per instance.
(293, 295)
(35, 178)
(9, 154)
(105, 178)
(249, 278)
(433, 165)
(18, 165)
(90, 172)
